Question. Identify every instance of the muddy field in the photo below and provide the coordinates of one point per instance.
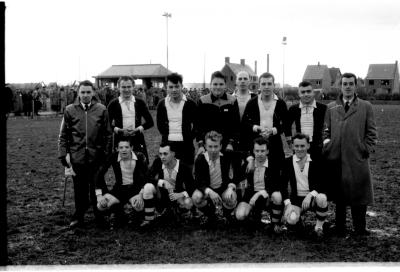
(37, 232)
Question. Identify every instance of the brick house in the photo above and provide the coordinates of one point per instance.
(319, 76)
(382, 78)
(231, 69)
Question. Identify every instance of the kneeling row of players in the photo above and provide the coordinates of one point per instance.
(226, 186)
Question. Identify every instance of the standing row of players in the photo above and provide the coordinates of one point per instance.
(238, 128)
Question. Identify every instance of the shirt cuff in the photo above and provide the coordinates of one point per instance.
(326, 141)
(255, 128)
(98, 192)
(314, 193)
(185, 194)
(116, 129)
(207, 191)
(232, 185)
(141, 128)
(287, 202)
(274, 131)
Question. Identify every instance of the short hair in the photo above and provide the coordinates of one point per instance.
(126, 78)
(86, 83)
(213, 136)
(175, 78)
(267, 75)
(172, 145)
(218, 74)
(349, 75)
(125, 139)
(243, 71)
(304, 84)
(301, 136)
(261, 141)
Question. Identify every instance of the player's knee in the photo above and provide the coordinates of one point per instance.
(276, 198)
(321, 200)
(148, 191)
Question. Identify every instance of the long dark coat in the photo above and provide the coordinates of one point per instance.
(352, 137)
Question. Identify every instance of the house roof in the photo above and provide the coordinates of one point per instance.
(236, 68)
(382, 71)
(314, 72)
(334, 71)
(135, 70)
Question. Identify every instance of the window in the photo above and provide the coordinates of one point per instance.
(231, 78)
(318, 82)
(371, 82)
(385, 82)
(389, 91)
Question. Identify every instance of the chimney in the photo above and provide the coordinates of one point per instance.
(318, 63)
(242, 62)
(226, 59)
(255, 67)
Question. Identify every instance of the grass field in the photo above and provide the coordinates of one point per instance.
(37, 233)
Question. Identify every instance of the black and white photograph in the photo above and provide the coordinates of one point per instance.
(200, 135)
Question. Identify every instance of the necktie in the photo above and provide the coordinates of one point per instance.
(86, 107)
(346, 106)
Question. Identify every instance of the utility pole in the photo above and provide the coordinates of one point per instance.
(167, 15)
(284, 42)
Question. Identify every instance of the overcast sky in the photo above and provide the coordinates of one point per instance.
(72, 40)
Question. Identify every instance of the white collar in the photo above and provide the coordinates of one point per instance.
(208, 157)
(265, 164)
(176, 167)
(134, 157)
(296, 159)
(238, 94)
(83, 104)
(350, 100)
(168, 98)
(131, 99)
(313, 104)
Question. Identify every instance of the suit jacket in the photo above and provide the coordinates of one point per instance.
(318, 114)
(188, 120)
(184, 178)
(315, 182)
(139, 175)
